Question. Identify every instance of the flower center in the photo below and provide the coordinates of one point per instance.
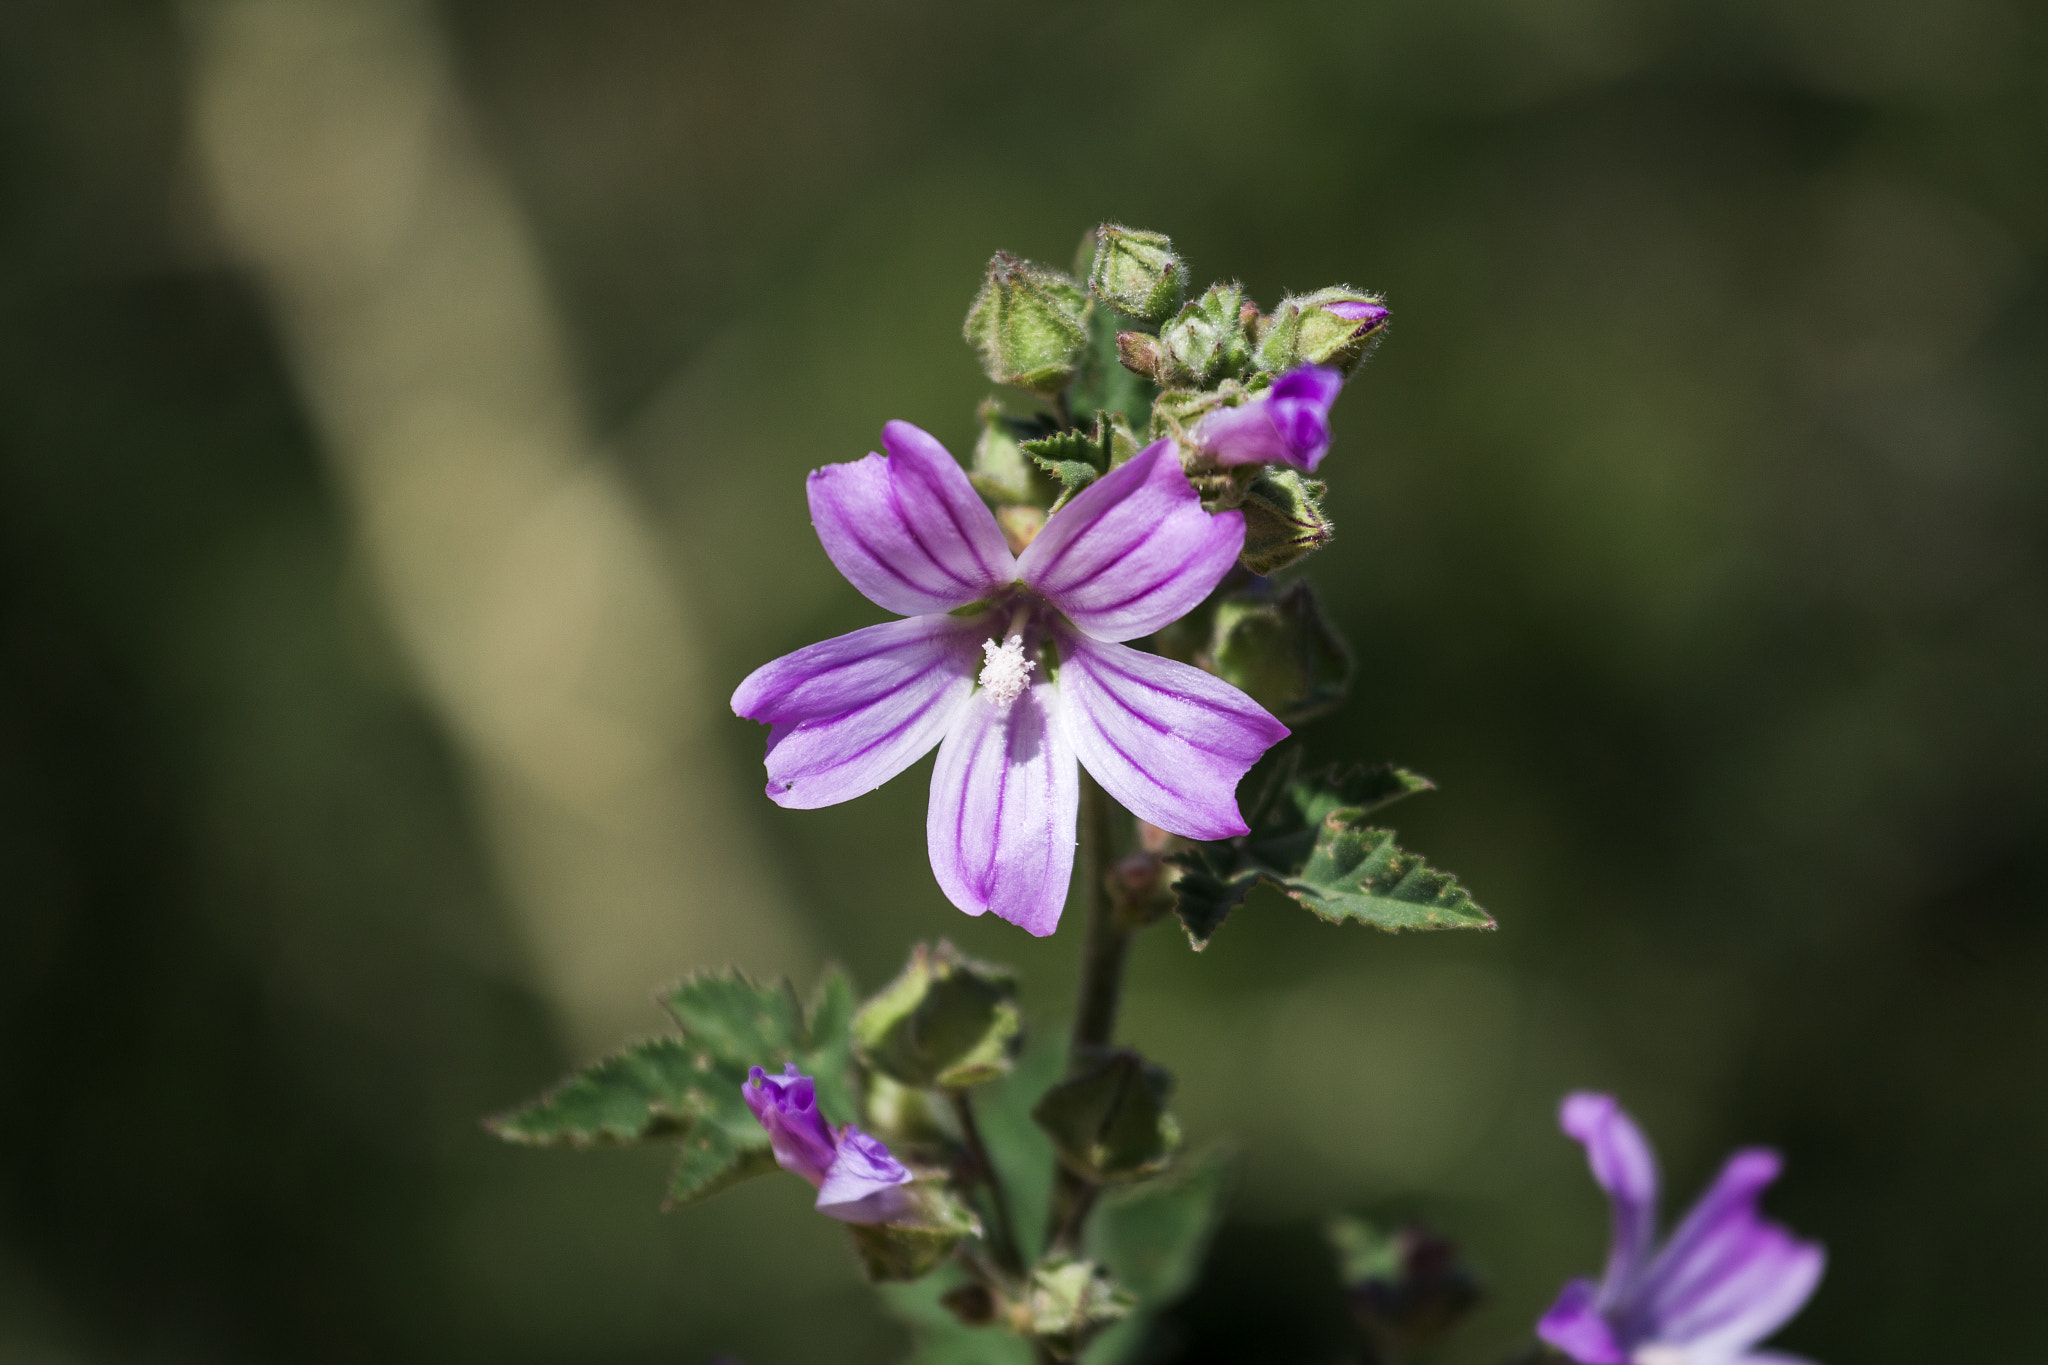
(1005, 672)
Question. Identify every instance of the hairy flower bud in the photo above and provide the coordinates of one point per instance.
(1335, 326)
(1208, 340)
(1137, 272)
(1283, 520)
(946, 1021)
(1027, 324)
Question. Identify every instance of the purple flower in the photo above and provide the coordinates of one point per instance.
(1013, 667)
(1287, 424)
(1722, 1282)
(856, 1178)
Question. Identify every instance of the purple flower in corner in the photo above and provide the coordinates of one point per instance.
(856, 1178)
(1724, 1280)
(1014, 667)
(1287, 424)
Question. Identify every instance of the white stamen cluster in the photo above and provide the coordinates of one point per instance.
(1005, 672)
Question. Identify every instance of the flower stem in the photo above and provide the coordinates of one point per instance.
(1103, 953)
(1005, 1241)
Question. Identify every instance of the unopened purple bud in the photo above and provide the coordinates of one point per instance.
(787, 1106)
(1287, 424)
(865, 1184)
(1356, 310)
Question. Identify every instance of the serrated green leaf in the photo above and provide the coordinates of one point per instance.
(652, 1089)
(736, 1020)
(711, 1158)
(1357, 873)
(828, 1046)
(1309, 838)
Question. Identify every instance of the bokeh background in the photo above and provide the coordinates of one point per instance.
(403, 412)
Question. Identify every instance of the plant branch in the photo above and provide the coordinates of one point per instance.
(1005, 1241)
(1104, 952)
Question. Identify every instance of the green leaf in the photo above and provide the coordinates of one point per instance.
(1309, 838)
(1101, 383)
(652, 1089)
(687, 1090)
(1153, 1236)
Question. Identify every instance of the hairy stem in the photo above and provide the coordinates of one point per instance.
(1103, 953)
(1005, 1241)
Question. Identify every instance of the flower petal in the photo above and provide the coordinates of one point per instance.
(1728, 1278)
(852, 712)
(1626, 1168)
(1005, 793)
(865, 1182)
(787, 1106)
(1287, 424)
(1573, 1325)
(1167, 740)
(907, 528)
(1134, 551)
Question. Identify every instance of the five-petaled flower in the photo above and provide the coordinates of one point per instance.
(1726, 1279)
(1287, 424)
(856, 1178)
(1041, 635)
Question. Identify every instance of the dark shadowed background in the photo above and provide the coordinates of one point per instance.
(403, 416)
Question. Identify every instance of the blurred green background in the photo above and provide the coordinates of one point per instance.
(353, 784)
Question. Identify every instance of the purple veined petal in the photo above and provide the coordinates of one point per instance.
(1625, 1167)
(1573, 1325)
(907, 528)
(1005, 793)
(850, 713)
(1714, 1233)
(1757, 1282)
(1167, 740)
(787, 1106)
(1287, 424)
(865, 1184)
(1134, 551)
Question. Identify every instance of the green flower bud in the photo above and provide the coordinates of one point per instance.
(1335, 326)
(1137, 272)
(1208, 340)
(1027, 324)
(1001, 471)
(1067, 1302)
(914, 1245)
(1407, 1288)
(1277, 649)
(1283, 520)
(947, 1021)
(1108, 1119)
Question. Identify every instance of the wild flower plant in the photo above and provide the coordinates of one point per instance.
(1092, 636)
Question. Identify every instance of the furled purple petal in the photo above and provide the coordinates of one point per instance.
(1004, 795)
(907, 528)
(1356, 310)
(1287, 424)
(1573, 1325)
(865, 1182)
(787, 1106)
(1727, 1275)
(1756, 1287)
(1134, 551)
(852, 712)
(1167, 740)
(1626, 1168)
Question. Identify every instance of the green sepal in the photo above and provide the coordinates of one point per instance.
(687, 1090)
(1027, 322)
(1283, 520)
(1310, 839)
(1068, 1301)
(1137, 272)
(1108, 1119)
(1276, 648)
(946, 1021)
(917, 1244)
(1302, 331)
